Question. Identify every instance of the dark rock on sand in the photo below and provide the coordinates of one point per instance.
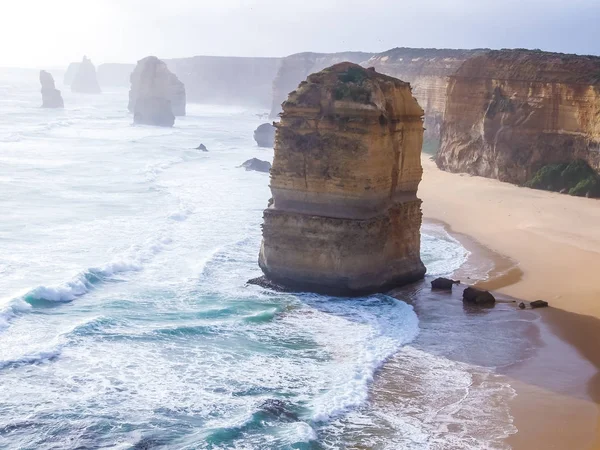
(51, 97)
(539, 304)
(85, 80)
(443, 284)
(522, 305)
(478, 296)
(202, 147)
(264, 135)
(257, 165)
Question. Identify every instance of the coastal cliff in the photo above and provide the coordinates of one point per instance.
(226, 80)
(427, 71)
(345, 218)
(295, 68)
(510, 113)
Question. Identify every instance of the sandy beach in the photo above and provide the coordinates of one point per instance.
(543, 246)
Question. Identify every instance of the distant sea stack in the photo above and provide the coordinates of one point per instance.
(264, 135)
(156, 95)
(85, 80)
(51, 97)
(345, 218)
(511, 113)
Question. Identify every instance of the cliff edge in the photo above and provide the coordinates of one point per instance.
(510, 113)
(345, 218)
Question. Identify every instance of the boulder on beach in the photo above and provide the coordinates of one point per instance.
(478, 296)
(156, 95)
(257, 165)
(264, 135)
(85, 80)
(51, 97)
(202, 147)
(443, 284)
(539, 304)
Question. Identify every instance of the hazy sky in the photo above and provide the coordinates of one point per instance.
(37, 33)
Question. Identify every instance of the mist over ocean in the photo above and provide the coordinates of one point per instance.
(125, 320)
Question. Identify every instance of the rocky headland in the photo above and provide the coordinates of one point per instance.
(513, 113)
(51, 97)
(264, 135)
(85, 80)
(156, 95)
(345, 218)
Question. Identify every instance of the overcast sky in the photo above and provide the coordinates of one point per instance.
(48, 33)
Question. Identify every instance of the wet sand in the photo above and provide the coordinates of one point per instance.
(551, 250)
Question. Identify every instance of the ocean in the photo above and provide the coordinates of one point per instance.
(126, 321)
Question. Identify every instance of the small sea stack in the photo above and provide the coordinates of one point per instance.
(85, 80)
(156, 95)
(51, 97)
(264, 135)
(345, 217)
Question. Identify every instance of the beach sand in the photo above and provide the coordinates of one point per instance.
(542, 245)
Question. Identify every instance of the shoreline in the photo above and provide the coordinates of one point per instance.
(540, 245)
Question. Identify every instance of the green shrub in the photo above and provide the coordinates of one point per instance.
(590, 185)
(577, 177)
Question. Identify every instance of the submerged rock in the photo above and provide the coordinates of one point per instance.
(443, 284)
(51, 97)
(257, 165)
(345, 217)
(478, 296)
(85, 80)
(264, 135)
(156, 95)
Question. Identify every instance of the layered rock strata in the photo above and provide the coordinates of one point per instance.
(156, 95)
(85, 80)
(509, 113)
(51, 97)
(345, 218)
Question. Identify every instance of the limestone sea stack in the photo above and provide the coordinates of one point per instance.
(345, 218)
(51, 97)
(156, 95)
(85, 80)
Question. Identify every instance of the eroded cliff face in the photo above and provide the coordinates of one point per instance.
(345, 218)
(511, 112)
(427, 71)
(295, 68)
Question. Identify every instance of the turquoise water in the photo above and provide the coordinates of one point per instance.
(125, 320)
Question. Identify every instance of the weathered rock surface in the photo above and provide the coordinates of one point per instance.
(539, 304)
(85, 80)
(264, 135)
(257, 165)
(51, 97)
(345, 217)
(478, 297)
(511, 112)
(156, 95)
(444, 284)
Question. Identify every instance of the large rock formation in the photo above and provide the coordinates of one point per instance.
(264, 135)
(511, 112)
(345, 218)
(85, 80)
(51, 97)
(156, 94)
